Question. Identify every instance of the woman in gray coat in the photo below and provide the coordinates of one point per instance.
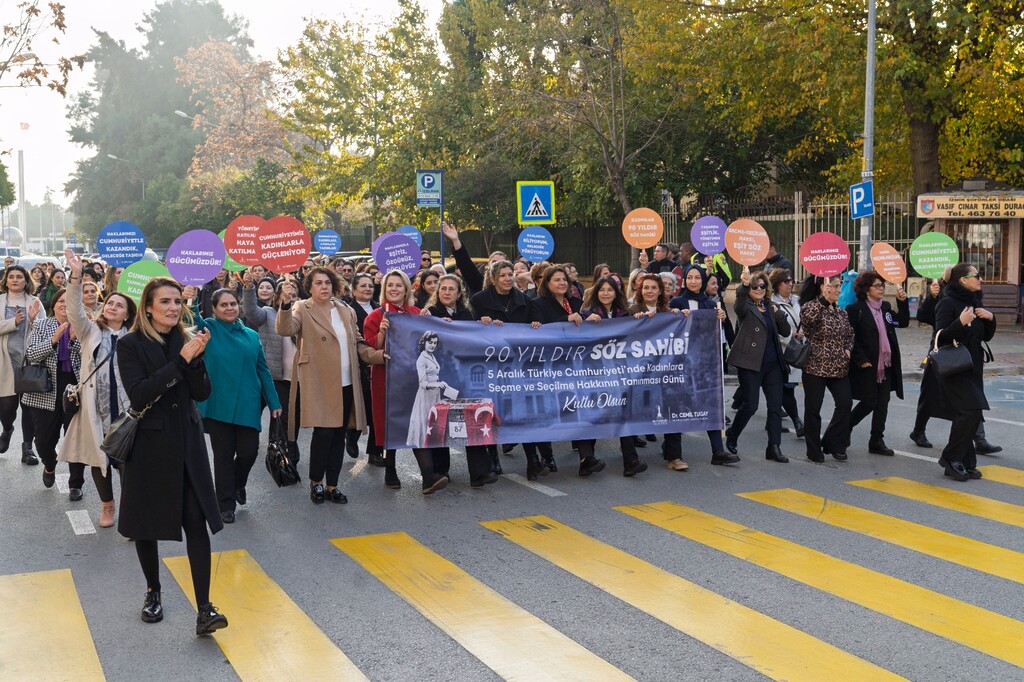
(757, 357)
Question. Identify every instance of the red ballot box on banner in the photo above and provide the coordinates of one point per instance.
(462, 423)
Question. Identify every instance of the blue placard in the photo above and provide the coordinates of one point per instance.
(121, 243)
(430, 187)
(535, 201)
(411, 231)
(536, 244)
(327, 242)
(862, 200)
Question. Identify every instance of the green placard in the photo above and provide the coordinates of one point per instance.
(932, 253)
(137, 275)
(230, 263)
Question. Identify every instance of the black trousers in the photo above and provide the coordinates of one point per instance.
(478, 461)
(235, 449)
(877, 405)
(837, 435)
(960, 447)
(626, 446)
(434, 461)
(327, 448)
(47, 427)
(789, 402)
(752, 382)
(9, 412)
(353, 434)
(105, 484)
(197, 542)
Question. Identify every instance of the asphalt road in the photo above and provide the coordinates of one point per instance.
(666, 576)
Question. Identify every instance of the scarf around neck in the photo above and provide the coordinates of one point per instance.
(884, 349)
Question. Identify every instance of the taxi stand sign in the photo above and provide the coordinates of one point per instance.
(535, 202)
(430, 188)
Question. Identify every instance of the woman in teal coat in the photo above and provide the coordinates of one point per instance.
(232, 414)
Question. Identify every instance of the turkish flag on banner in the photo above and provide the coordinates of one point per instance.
(437, 425)
(481, 424)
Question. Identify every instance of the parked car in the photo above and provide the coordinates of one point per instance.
(30, 260)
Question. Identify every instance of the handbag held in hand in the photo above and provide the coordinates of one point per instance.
(279, 463)
(950, 360)
(797, 352)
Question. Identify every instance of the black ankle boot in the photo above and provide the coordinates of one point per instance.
(534, 467)
(774, 452)
(27, 456)
(798, 425)
(496, 463)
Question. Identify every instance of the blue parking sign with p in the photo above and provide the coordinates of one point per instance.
(429, 187)
(862, 200)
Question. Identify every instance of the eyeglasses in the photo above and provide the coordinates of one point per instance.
(307, 267)
(758, 287)
(788, 281)
(878, 285)
(976, 275)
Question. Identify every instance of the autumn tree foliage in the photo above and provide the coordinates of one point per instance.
(33, 20)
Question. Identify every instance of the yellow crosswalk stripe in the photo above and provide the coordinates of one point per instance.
(512, 642)
(1001, 474)
(956, 549)
(268, 636)
(972, 626)
(45, 634)
(954, 500)
(772, 648)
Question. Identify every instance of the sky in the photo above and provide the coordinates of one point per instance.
(50, 157)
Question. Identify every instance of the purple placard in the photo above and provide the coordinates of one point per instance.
(395, 251)
(196, 257)
(708, 235)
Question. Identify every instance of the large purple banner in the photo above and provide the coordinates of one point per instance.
(466, 383)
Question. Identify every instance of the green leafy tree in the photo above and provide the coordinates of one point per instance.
(6, 187)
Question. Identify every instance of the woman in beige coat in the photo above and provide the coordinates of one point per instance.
(325, 390)
(19, 311)
(101, 395)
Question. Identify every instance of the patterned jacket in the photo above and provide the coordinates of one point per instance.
(827, 328)
(41, 351)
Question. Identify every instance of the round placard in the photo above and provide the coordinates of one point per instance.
(121, 243)
(825, 254)
(643, 228)
(327, 242)
(888, 262)
(137, 275)
(394, 251)
(932, 253)
(535, 244)
(241, 239)
(195, 257)
(708, 235)
(284, 244)
(746, 241)
(411, 231)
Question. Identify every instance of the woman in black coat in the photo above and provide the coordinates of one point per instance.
(449, 303)
(876, 369)
(960, 318)
(927, 400)
(757, 357)
(166, 485)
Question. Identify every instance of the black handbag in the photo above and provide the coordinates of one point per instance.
(120, 437)
(279, 463)
(798, 351)
(32, 379)
(950, 360)
(70, 398)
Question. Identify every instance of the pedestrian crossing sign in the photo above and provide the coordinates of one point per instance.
(535, 201)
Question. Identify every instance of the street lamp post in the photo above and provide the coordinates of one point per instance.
(864, 258)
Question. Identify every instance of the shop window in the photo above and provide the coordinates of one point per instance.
(983, 245)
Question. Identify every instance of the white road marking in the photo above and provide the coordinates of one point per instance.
(912, 455)
(1002, 421)
(62, 484)
(80, 522)
(550, 492)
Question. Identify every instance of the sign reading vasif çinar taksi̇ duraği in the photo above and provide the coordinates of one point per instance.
(971, 205)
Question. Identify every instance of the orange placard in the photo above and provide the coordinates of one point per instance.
(888, 262)
(746, 241)
(643, 228)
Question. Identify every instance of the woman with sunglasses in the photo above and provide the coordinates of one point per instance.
(960, 318)
(875, 369)
(757, 357)
(781, 280)
(828, 331)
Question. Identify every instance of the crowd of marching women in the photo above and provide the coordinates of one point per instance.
(190, 363)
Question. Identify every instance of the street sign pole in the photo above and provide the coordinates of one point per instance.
(864, 257)
(441, 250)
